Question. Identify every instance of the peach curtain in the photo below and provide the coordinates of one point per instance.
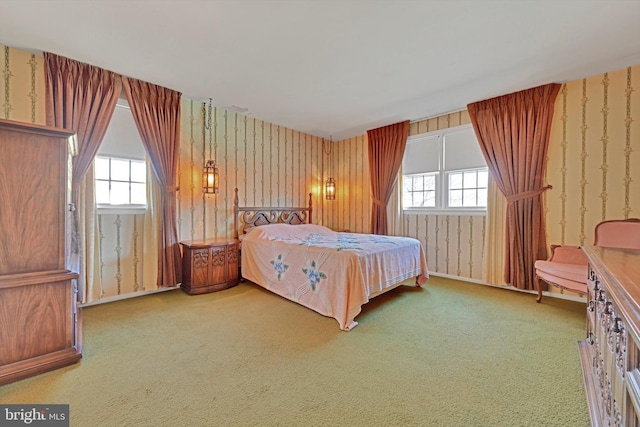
(513, 132)
(156, 111)
(386, 148)
(81, 98)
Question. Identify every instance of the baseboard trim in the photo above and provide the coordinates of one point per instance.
(127, 296)
(443, 275)
(510, 288)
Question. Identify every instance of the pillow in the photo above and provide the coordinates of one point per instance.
(273, 231)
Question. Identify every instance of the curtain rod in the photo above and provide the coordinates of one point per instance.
(437, 115)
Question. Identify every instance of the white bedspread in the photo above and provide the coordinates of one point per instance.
(329, 272)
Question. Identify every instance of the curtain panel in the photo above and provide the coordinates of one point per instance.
(81, 98)
(386, 148)
(494, 247)
(513, 132)
(156, 112)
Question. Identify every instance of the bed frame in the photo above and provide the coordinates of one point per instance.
(251, 217)
(345, 290)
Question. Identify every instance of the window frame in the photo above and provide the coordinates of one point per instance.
(442, 180)
(437, 185)
(446, 193)
(130, 208)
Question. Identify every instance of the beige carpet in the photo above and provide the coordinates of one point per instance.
(449, 354)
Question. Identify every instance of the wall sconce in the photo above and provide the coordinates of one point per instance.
(330, 186)
(210, 177)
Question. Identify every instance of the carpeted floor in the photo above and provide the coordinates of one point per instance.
(448, 354)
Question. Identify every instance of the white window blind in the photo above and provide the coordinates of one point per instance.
(445, 170)
(122, 138)
(462, 151)
(422, 155)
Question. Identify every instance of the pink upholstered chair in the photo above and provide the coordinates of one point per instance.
(567, 267)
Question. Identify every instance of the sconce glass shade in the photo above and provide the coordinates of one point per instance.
(330, 189)
(210, 178)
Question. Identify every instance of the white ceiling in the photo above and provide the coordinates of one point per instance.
(335, 68)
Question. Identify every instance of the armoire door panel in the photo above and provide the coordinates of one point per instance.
(40, 326)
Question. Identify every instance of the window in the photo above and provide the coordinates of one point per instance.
(420, 190)
(445, 170)
(120, 168)
(120, 182)
(468, 188)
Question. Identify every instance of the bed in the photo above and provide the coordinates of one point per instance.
(332, 273)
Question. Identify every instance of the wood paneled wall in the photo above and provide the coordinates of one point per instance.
(271, 166)
(351, 210)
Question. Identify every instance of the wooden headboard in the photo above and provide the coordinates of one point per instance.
(251, 217)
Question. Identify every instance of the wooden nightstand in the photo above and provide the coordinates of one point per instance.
(209, 265)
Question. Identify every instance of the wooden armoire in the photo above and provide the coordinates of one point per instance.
(40, 325)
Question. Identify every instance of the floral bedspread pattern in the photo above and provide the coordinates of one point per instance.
(329, 272)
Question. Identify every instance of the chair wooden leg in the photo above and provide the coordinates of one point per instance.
(536, 281)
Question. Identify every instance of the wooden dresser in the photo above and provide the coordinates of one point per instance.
(39, 318)
(610, 355)
(209, 265)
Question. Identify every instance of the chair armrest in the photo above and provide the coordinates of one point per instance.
(568, 255)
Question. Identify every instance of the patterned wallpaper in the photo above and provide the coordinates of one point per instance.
(593, 166)
(271, 166)
(121, 260)
(22, 89)
(594, 156)
(22, 94)
(453, 244)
